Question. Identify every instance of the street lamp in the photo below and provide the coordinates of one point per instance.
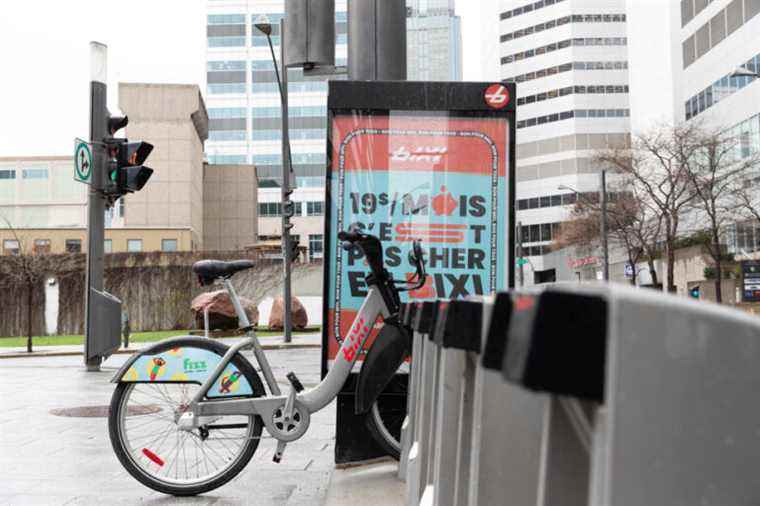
(744, 72)
(603, 222)
(263, 24)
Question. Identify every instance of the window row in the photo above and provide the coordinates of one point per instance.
(295, 134)
(715, 30)
(570, 90)
(556, 46)
(575, 18)
(272, 209)
(720, 89)
(25, 173)
(293, 112)
(566, 67)
(297, 87)
(563, 199)
(578, 113)
(297, 159)
(259, 40)
(540, 232)
(528, 8)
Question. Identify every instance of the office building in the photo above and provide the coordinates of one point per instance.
(244, 108)
(569, 59)
(433, 41)
(187, 205)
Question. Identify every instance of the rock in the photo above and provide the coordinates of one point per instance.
(299, 320)
(221, 312)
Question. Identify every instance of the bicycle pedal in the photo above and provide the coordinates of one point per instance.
(294, 381)
(278, 452)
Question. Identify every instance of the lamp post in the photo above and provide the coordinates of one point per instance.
(603, 220)
(286, 207)
(744, 72)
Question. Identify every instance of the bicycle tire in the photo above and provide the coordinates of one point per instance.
(166, 486)
(384, 422)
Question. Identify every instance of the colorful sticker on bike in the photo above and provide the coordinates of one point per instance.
(188, 364)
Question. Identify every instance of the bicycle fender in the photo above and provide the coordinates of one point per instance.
(380, 365)
(176, 360)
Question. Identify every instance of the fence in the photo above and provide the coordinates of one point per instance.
(596, 396)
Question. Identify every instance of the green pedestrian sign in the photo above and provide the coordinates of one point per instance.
(522, 261)
(82, 161)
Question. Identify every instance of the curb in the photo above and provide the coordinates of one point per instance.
(37, 354)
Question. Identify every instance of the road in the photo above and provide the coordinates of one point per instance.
(48, 459)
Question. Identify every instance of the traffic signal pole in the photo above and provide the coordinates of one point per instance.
(96, 203)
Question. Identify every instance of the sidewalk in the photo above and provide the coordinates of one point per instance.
(268, 343)
(47, 459)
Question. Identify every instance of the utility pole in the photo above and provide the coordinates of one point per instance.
(520, 262)
(377, 40)
(605, 249)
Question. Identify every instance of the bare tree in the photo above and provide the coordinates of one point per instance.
(631, 225)
(656, 167)
(717, 172)
(29, 270)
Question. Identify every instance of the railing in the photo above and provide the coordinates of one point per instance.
(582, 396)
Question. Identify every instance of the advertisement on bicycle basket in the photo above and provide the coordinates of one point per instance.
(441, 178)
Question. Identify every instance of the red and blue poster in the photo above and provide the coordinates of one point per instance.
(408, 175)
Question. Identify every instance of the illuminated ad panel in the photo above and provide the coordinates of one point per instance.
(428, 161)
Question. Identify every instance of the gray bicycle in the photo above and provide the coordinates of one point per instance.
(188, 413)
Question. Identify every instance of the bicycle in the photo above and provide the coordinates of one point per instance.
(187, 413)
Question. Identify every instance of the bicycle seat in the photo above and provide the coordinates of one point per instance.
(209, 270)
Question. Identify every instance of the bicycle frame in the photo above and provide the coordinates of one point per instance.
(311, 400)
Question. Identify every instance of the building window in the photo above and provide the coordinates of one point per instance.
(315, 208)
(269, 209)
(7, 174)
(134, 245)
(41, 246)
(168, 245)
(73, 245)
(315, 246)
(107, 246)
(11, 247)
(35, 174)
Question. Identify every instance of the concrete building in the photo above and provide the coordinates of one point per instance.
(187, 205)
(244, 107)
(433, 41)
(702, 44)
(569, 58)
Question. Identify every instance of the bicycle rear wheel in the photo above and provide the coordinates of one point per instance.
(145, 436)
(387, 415)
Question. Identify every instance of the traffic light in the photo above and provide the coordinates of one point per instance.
(125, 170)
(131, 173)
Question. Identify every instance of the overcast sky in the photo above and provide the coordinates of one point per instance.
(44, 53)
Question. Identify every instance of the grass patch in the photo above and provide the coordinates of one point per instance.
(138, 337)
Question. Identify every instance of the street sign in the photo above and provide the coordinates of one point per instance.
(628, 270)
(82, 161)
(522, 261)
(750, 280)
(496, 96)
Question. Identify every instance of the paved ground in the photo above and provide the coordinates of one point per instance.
(46, 459)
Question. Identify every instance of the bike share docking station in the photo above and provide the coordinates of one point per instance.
(406, 161)
(591, 395)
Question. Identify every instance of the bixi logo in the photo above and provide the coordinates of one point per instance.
(497, 96)
(427, 154)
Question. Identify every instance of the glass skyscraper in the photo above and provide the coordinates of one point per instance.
(243, 100)
(434, 41)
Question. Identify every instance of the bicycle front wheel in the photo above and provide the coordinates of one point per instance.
(151, 447)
